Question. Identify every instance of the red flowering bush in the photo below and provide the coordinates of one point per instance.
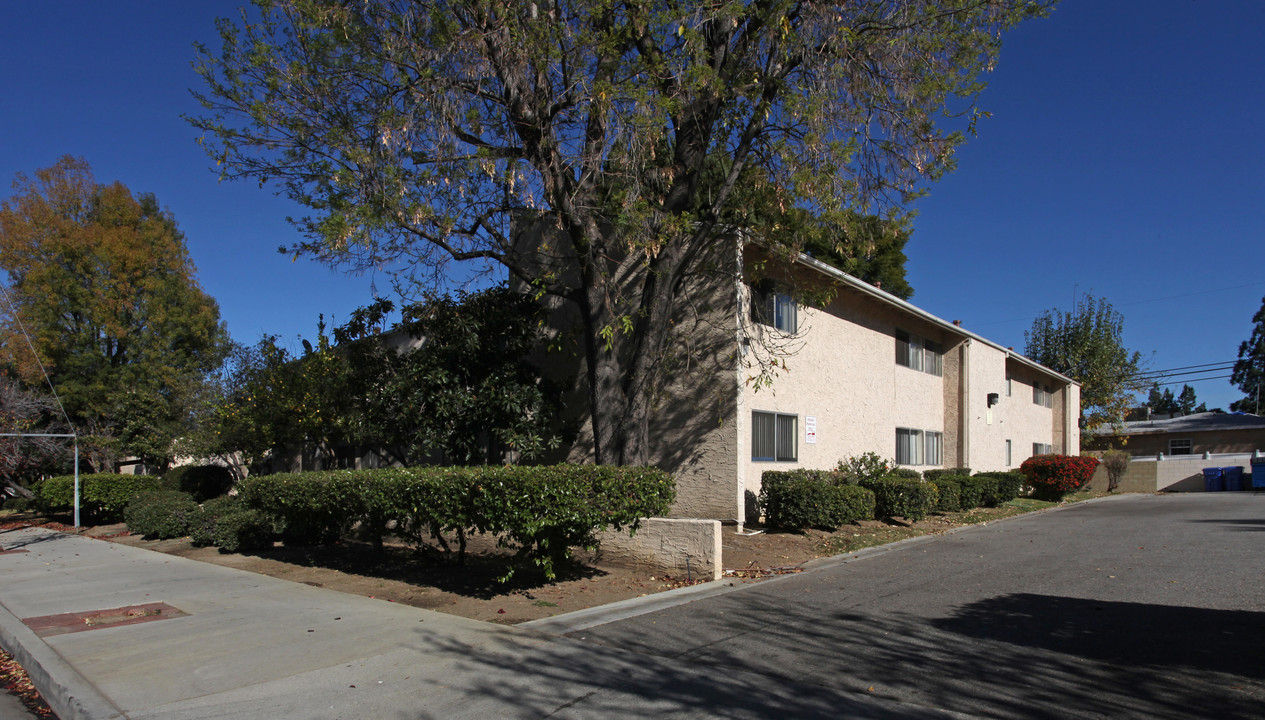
(1053, 476)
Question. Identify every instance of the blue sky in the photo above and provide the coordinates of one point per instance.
(1125, 158)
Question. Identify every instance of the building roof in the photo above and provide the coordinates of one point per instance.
(905, 306)
(1198, 422)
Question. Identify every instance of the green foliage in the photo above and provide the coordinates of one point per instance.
(907, 473)
(871, 248)
(103, 282)
(945, 472)
(950, 499)
(203, 482)
(102, 497)
(1053, 476)
(1249, 370)
(1087, 345)
(467, 395)
(973, 492)
(900, 497)
(799, 499)
(864, 467)
(243, 531)
(1009, 484)
(160, 514)
(1117, 464)
(424, 136)
(540, 511)
(202, 523)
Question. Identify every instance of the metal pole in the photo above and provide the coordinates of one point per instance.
(76, 483)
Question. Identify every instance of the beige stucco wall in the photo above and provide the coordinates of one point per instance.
(1211, 441)
(663, 545)
(841, 370)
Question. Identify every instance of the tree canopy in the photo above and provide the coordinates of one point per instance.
(103, 283)
(449, 383)
(1086, 344)
(1249, 370)
(640, 134)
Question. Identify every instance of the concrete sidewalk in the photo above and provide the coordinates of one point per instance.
(249, 646)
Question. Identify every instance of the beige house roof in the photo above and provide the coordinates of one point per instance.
(1198, 422)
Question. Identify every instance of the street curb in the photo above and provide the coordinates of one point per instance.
(69, 695)
(632, 607)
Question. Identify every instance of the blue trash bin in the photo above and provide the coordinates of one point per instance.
(1258, 474)
(1214, 481)
(1233, 477)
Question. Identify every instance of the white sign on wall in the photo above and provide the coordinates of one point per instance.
(810, 429)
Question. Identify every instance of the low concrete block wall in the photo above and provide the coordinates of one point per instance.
(1138, 478)
(676, 546)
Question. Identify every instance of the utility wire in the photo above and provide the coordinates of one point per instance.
(13, 311)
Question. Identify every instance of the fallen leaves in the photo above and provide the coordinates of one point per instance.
(14, 680)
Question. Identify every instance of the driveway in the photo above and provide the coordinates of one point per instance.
(1134, 606)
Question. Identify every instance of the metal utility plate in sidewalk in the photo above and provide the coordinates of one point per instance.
(48, 625)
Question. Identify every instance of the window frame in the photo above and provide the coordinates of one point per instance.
(933, 438)
(774, 306)
(1042, 449)
(782, 437)
(913, 443)
(1189, 450)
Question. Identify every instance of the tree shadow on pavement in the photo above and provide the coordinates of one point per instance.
(1025, 656)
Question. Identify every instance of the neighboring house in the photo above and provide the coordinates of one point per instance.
(1209, 432)
(862, 371)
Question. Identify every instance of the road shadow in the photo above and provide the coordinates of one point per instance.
(1024, 656)
(1243, 524)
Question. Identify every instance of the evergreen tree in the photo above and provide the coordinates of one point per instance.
(1249, 369)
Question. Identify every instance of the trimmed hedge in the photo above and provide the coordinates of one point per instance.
(1009, 483)
(907, 473)
(901, 497)
(950, 494)
(102, 496)
(799, 499)
(1053, 476)
(243, 531)
(160, 514)
(540, 511)
(947, 472)
(977, 491)
(203, 482)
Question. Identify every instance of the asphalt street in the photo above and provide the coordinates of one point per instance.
(1135, 606)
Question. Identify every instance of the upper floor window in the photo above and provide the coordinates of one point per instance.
(774, 306)
(919, 354)
(1041, 395)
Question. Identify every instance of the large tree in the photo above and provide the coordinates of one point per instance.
(1087, 345)
(1249, 370)
(102, 282)
(423, 134)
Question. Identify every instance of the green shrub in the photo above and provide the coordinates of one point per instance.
(102, 496)
(977, 491)
(907, 473)
(541, 512)
(901, 497)
(799, 499)
(202, 524)
(947, 472)
(867, 466)
(1053, 476)
(20, 504)
(243, 531)
(203, 482)
(950, 494)
(160, 514)
(1009, 483)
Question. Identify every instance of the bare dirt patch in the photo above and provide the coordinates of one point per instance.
(430, 580)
